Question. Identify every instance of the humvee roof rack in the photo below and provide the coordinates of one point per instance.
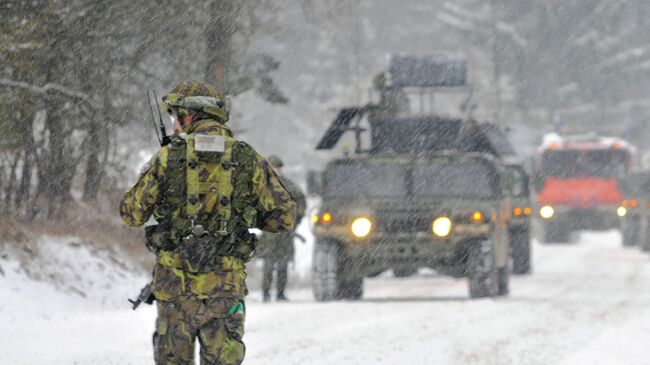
(412, 134)
(408, 135)
(391, 132)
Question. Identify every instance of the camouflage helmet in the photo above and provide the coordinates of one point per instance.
(275, 161)
(195, 97)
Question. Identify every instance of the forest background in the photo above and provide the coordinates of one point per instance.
(75, 125)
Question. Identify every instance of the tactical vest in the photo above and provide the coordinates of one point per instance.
(205, 201)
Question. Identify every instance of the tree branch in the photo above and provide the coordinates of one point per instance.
(52, 87)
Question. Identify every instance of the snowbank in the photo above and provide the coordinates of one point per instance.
(63, 274)
(59, 298)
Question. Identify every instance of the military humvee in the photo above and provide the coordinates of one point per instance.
(428, 192)
(634, 211)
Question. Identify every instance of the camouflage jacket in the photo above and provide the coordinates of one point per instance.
(257, 193)
(280, 245)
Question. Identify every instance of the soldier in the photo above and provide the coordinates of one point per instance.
(391, 101)
(205, 190)
(277, 249)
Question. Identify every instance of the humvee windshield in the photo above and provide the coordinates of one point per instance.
(472, 179)
(366, 179)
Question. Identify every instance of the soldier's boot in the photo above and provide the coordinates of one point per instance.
(267, 280)
(266, 296)
(282, 281)
(281, 297)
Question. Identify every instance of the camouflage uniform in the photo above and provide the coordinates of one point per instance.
(277, 248)
(204, 200)
(391, 101)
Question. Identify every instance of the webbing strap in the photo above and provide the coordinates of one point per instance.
(224, 182)
(193, 204)
(224, 263)
(219, 182)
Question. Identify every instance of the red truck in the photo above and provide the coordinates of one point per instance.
(579, 183)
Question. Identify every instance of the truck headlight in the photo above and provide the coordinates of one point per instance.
(547, 212)
(621, 211)
(361, 227)
(441, 226)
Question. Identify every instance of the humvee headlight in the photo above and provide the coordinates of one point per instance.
(361, 227)
(621, 212)
(547, 212)
(441, 226)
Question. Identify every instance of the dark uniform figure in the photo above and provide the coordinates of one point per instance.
(205, 190)
(277, 249)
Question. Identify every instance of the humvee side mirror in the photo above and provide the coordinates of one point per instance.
(623, 185)
(314, 182)
(538, 182)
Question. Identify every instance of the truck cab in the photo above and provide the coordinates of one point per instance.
(579, 178)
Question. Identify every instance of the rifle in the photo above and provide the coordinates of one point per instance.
(163, 138)
(145, 296)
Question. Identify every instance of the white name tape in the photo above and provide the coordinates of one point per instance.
(204, 143)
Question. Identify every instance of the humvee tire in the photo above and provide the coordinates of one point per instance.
(482, 273)
(327, 278)
(645, 242)
(351, 289)
(630, 230)
(325, 270)
(556, 232)
(504, 281)
(520, 250)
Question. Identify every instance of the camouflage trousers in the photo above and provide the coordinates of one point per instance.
(280, 265)
(218, 323)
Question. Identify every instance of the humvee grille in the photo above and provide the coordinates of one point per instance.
(403, 224)
(414, 224)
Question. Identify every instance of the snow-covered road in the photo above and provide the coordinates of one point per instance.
(586, 303)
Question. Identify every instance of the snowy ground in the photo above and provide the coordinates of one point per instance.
(587, 303)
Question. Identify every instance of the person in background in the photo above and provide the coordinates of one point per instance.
(276, 249)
